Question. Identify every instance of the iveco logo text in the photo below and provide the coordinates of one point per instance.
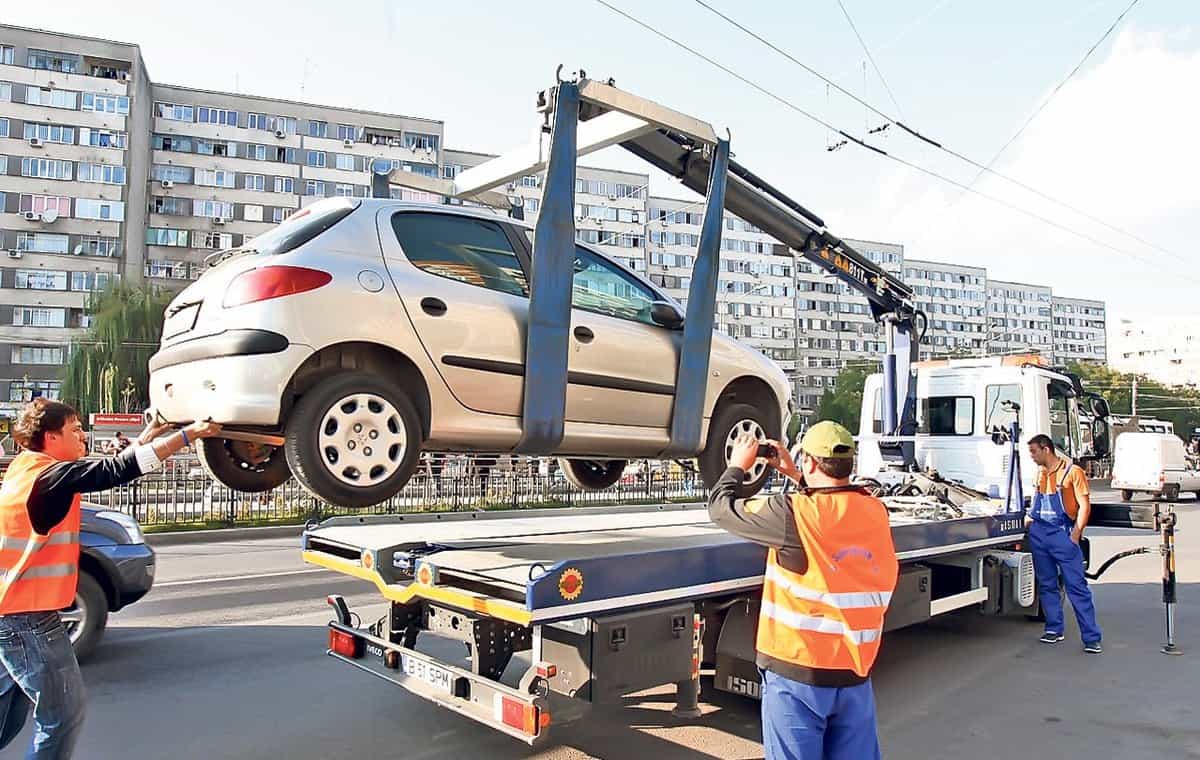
(375, 650)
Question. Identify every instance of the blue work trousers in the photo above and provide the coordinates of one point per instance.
(1055, 554)
(802, 722)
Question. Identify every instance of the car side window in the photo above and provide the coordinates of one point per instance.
(602, 287)
(474, 251)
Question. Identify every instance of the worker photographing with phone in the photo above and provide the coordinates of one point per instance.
(831, 570)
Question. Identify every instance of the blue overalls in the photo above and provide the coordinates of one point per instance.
(1055, 553)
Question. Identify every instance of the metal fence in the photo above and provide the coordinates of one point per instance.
(182, 493)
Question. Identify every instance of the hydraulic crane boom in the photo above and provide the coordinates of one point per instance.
(585, 115)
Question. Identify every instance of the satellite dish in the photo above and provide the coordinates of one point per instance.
(381, 166)
(78, 250)
(49, 215)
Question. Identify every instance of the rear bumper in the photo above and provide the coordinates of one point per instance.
(237, 389)
(228, 343)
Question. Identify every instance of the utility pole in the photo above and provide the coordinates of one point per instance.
(1134, 404)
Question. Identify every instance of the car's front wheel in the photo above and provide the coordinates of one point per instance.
(592, 474)
(242, 466)
(728, 424)
(354, 440)
(87, 617)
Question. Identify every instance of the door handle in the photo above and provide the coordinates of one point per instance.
(434, 307)
(584, 334)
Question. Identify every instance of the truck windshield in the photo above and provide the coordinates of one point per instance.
(1064, 419)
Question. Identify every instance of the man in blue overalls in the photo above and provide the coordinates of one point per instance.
(1058, 515)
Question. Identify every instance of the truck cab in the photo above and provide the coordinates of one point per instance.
(961, 403)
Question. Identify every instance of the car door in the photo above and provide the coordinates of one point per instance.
(622, 365)
(467, 297)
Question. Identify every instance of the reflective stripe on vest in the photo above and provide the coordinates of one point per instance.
(45, 571)
(843, 601)
(20, 545)
(801, 622)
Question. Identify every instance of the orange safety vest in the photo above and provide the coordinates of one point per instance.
(829, 617)
(37, 573)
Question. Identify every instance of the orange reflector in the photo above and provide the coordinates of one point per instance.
(345, 644)
(546, 670)
(391, 658)
(522, 716)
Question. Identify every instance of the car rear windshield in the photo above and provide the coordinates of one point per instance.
(303, 226)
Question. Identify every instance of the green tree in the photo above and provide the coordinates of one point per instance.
(1178, 404)
(107, 370)
(843, 403)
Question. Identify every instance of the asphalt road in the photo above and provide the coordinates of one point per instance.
(225, 660)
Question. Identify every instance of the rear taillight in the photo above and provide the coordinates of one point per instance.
(523, 716)
(345, 644)
(265, 283)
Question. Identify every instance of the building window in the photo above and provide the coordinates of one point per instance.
(28, 390)
(43, 59)
(44, 96)
(167, 237)
(42, 242)
(531, 205)
(347, 132)
(40, 204)
(222, 116)
(101, 138)
(171, 206)
(106, 174)
(37, 355)
(50, 133)
(27, 316)
(173, 143)
(315, 158)
(174, 112)
(342, 190)
(92, 208)
(285, 185)
(5, 92)
(215, 241)
(6, 54)
(40, 279)
(313, 187)
(318, 128)
(212, 209)
(167, 269)
(420, 141)
(252, 213)
(99, 246)
(45, 168)
(255, 182)
(344, 162)
(215, 178)
(110, 104)
(280, 214)
(284, 124)
(211, 148)
(89, 281)
(162, 173)
(450, 171)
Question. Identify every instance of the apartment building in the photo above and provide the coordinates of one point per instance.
(1020, 318)
(1166, 351)
(954, 298)
(1080, 330)
(74, 131)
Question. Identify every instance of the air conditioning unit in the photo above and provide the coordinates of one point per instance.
(612, 196)
(511, 187)
(280, 134)
(31, 216)
(218, 220)
(429, 150)
(37, 142)
(14, 254)
(167, 184)
(347, 143)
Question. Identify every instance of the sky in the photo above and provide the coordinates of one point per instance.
(1118, 141)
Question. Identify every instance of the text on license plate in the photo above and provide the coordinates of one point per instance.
(430, 674)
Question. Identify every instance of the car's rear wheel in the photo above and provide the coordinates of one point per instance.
(87, 617)
(354, 440)
(249, 467)
(730, 422)
(592, 474)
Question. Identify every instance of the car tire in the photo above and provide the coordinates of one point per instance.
(714, 459)
(1171, 492)
(340, 417)
(86, 619)
(592, 474)
(1126, 495)
(234, 464)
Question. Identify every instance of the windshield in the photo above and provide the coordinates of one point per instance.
(303, 226)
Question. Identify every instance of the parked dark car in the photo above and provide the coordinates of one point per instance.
(116, 568)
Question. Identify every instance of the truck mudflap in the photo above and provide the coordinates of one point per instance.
(522, 715)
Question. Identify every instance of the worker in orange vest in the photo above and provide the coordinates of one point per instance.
(831, 570)
(39, 563)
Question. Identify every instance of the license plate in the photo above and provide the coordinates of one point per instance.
(439, 678)
(181, 321)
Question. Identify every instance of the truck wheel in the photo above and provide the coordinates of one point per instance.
(247, 467)
(727, 425)
(1126, 495)
(1171, 492)
(354, 440)
(591, 474)
(86, 619)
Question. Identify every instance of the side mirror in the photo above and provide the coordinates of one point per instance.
(1101, 442)
(666, 314)
(1099, 407)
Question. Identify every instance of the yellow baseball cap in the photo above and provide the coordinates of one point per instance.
(828, 440)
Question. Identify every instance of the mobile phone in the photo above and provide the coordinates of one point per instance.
(766, 451)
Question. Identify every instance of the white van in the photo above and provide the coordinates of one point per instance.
(1152, 463)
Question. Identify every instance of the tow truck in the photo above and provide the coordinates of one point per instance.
(563, 609)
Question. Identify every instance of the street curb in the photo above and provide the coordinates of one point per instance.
(179, 538)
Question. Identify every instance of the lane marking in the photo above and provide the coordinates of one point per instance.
(233, 578)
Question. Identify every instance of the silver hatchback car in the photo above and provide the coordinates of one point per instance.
(363, 331)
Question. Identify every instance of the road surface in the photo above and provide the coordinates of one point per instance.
(225, 660)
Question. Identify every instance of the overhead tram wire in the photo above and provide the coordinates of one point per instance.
(983, 168)
(862, 143)
(870, 57)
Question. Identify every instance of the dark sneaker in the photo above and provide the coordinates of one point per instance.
(1052, 638)
(1093, 647)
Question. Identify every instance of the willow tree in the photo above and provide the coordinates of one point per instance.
(107, 369)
